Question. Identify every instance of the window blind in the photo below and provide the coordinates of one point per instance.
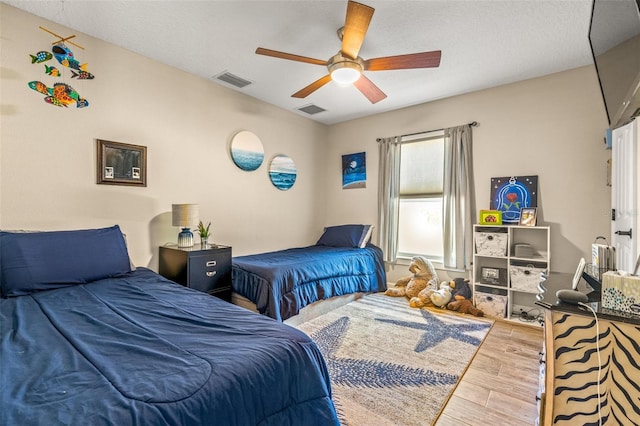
(422, 167)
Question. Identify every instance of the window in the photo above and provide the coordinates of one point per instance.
(421, 183)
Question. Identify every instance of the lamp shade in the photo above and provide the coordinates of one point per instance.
(184, 215)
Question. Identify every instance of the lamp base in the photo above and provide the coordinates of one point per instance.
(185, 238)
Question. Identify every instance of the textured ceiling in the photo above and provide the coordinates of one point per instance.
(484, 43)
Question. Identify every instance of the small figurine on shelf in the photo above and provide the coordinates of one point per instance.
(204, 234)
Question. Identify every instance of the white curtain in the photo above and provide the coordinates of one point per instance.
(388, 196)
(457, 201)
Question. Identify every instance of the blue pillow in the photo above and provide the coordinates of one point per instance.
(36, 261)
(345, 236)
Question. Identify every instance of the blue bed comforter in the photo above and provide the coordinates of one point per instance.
(142, 350)
(280, 283)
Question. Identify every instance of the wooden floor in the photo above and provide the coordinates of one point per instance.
(501, 383)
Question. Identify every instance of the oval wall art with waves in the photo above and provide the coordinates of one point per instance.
(282, 172)
(247, 151)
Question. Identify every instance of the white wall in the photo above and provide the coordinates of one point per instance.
(48, 162)
(552, 127)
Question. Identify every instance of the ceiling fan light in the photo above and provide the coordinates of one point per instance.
(345, 73)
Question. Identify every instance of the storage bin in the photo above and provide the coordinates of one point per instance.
(492, 305)
(526, 277)
(491, 242)
(523, 250)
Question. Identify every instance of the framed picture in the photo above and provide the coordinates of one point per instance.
(121, 163)
(528, 216)
(354, 170)
(494, 276)
(490, 217)
(510, 194)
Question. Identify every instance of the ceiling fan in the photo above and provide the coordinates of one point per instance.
(346, 66)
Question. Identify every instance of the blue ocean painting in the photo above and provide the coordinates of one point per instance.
(247, 151)
(247, 160)
(354, 170)
(282, 172)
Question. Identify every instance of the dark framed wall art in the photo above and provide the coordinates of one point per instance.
(354, 170)
(121, 163)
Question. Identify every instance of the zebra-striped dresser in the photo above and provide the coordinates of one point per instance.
(589, 363)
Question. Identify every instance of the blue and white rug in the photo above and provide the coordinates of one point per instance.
(391, 364)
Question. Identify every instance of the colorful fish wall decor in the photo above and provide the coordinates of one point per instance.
(40, 57)
(52, 71)
(82, 75)
(60, 94)
(65, 56)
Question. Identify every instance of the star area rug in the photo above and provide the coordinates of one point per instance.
(391, 364)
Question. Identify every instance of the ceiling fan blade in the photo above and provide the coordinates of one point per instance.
(355, 27)
(369, 90)
(303, 93)
(289, 56)
(403, 62)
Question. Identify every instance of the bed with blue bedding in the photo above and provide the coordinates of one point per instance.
(281, 283)
(135, 348)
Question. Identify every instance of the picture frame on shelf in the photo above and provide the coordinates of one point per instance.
(490, 217)
(528, 216)
(493, 276)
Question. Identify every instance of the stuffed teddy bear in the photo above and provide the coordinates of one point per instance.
(465, 306)
(460, 289)
(420, 285)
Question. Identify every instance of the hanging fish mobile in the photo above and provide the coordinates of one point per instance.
(61, 94)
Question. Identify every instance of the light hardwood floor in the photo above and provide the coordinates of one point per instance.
(501, 383)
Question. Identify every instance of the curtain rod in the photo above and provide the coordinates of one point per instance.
(472, 124)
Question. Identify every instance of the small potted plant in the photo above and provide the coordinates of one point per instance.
(204, 233)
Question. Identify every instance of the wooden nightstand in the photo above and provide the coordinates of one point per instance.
(205, 269)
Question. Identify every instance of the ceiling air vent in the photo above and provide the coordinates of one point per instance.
(233, 80)
(311, 109)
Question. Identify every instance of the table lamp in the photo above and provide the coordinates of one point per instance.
(185, 215)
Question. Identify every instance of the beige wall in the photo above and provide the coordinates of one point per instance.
(48, 162)
(551, 126)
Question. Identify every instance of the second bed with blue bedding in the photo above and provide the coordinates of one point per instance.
(283, 282)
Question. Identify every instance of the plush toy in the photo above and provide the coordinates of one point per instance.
(465, 306)
(442, 296)
(460, 289)
(418, 286)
